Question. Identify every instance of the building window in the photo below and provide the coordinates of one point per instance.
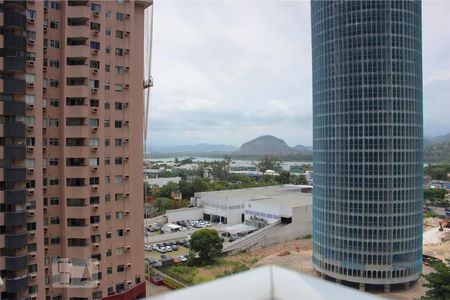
(53, 141)
(118, 87)
(95, 7)
(54, 220)
(117, 142)
(95, 26)
(118, 124)
(54, 200)
(107, 49)
(54, 44)
(54, 161)
(119, 69)
(118, 179)
(108, 14)
(119, 34)
(108, 31)
(54, 24)
(55, 5)
(119, 51)
(119, 16)
(107, 68)
(54, 102)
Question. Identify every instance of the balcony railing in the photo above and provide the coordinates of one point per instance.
(14, 86)
(15, 285)
(14, 152)
(16, 218)
(16, 130)
(15, 64)
(16, 263)
(15, 197)
(11, 108)
(15, 241)
(15, 174)
(15, 19)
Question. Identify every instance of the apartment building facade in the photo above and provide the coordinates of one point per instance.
(71, 134)
(368, 141)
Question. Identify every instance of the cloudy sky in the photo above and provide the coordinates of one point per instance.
(226, 72)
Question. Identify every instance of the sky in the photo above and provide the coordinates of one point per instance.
(226, 72)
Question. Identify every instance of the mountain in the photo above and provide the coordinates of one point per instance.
(266, 144)
(437, 139)
(302, 148)
(199, 148)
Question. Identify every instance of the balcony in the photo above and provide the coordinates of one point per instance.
(14, 129)
(15, 197)
(15, 174)
(15, 285)
(15, 19)
(11, 108)
(14, 86)
(16, 218)
(78, 11)
(15, 64)
(16, 263)
(78, 51)
(14, 152)
(12, 40)
(20, 4)
(15, 241)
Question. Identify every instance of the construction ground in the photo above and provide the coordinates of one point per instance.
(296, 255)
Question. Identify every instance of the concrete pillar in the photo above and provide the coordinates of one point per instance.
(362, 287)
(387, 288)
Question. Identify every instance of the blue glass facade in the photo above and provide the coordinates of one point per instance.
(368, 140)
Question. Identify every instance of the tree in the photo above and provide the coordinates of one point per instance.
(435, 195)
(166, 190)
(438, 282)
(207, 243)
(299, 180)
(284, 177)
(269, 162)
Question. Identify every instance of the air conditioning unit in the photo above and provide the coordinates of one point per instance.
(127, 195)
(126, 140)
(32, 254)
(33, 297)
(30, 127)
(127, 177)
(97, 264)
(126, 123)
(94, 129)
(95, 226)
(45, 228)
(94, 149)
(44, 68)
(128, 265)
(127, 248)
(32, 234)
(127, 212)
(94, 188)
(127, 230)
(44, 189)
(98, 283)
(30, 192)
(126, 158)
(127, 51)
(31, 20)
(32, 276)
(45, 10)
(44, 149)
(44, 89)
(30, 63)
(94, 71)
(127, 16)
(31, 213)
(126, 104)
(30, 148)
(94, 169)
(95, 51)
(44, 170)
(95, 14)
(30, 42)
(95, 32)
(94, 110)
(127, 33)
(44, 129)
(127, 86)
(44, 109)
(45, 210)
(45, 29)
(96, 245)
(94, 91)
(45, 48)
(129, 282)
(95, 207)
(30, 84)
(127, 69)
(30, 106)
(30, 170)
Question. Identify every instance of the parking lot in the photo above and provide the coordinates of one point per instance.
(167, 253)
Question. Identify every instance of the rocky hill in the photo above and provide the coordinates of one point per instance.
(266, 144)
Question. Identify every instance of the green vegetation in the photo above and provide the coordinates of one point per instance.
(435, 195)
(183, 273)
(207, 243)
(438, 282)
(438, 172)
(430, 214)
(299, 157)
(437, 153)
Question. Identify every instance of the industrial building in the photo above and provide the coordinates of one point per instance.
(368, 141)
(71, 146)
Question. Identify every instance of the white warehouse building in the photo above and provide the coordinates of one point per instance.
(229, 206)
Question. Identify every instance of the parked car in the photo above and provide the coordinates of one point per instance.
(187, 245)
(174, 247)
(182, 258)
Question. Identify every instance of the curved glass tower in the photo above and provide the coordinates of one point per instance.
(368, 140)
